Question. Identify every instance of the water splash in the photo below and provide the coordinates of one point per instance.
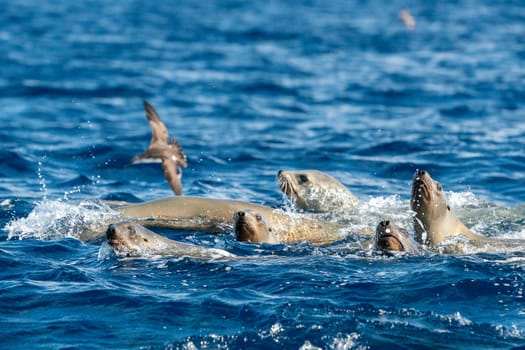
(463, 199)
(41, 179)
(56, 219)
(105, 252)
(366, 216)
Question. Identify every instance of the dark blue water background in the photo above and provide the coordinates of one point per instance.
(249, 88)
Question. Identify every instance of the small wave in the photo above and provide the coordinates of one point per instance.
(56, 219)
(340, 342)
(6, 204)
(105, 252)
(14, 164)
(514, 235)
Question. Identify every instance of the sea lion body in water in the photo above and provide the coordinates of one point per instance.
(315, 191)
(129, 239)
(190, 213)
(252, 226)
(215, 215)
(389, 237)
(436, 225)
(168, 151)
(434, 221)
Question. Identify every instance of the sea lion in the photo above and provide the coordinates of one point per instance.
(389, 237)
(129, 239)
(252, 226)
(217, 215)
(169, 151)
(434, 221)
(437, 226)
(315, 191)
(190, 213)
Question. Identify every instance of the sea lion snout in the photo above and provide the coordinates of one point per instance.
(422, 177)
(420, 172)
(422, 189)
(239, 217)
(111, 232)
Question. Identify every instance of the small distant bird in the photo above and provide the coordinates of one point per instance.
(407, 19)
(162, 148)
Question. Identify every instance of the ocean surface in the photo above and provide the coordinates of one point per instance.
(248, 88)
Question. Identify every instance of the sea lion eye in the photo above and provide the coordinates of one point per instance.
(439, 186)
(448, 207)
(145, 239)
(303, 178)
(258, 217)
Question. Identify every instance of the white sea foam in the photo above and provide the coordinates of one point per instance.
(459, 319)
(54, 219)
(6, 204)
(462, 199)
(520, 234)
(309, 346)
(346, 342)
(369, 213)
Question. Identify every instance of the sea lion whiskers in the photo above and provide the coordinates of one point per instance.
(283, 185)
(421, 187)
(286, 185)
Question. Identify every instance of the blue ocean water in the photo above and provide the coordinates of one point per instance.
(249, 88)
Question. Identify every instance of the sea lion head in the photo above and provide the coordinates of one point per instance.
(129, 239)
(314, 190)
(429, 203)
(251, 226)
(389, 237)
(428, 197)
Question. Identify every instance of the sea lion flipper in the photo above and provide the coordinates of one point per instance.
(173, 174)
(159, 132)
